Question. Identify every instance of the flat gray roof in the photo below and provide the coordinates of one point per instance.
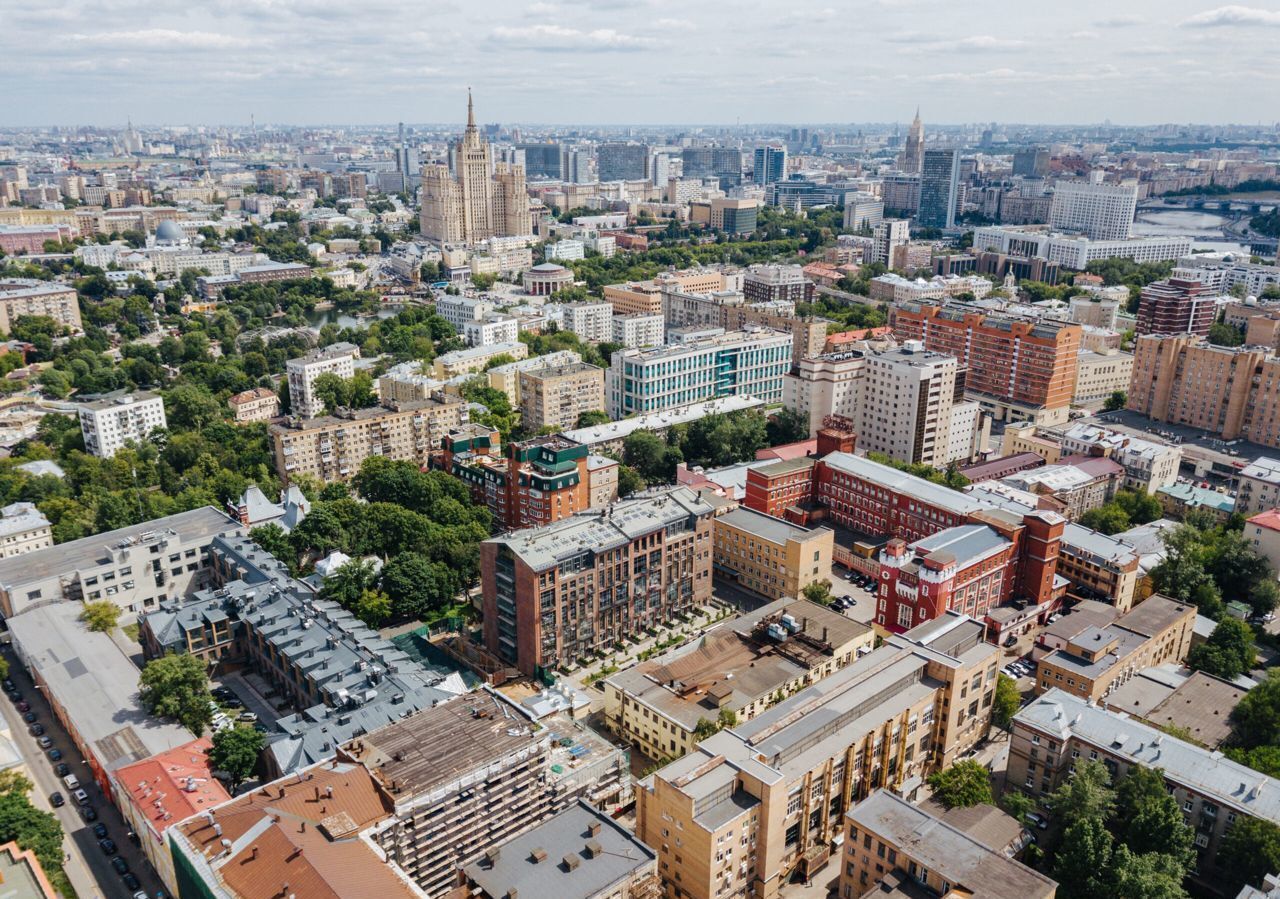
(901, 482)
(94, 682)
(1204, 771)
(604, 854)
(192, 526)
(599, 529)
(775, 530)
(952, 854)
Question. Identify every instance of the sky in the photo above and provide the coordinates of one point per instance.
(99, 62)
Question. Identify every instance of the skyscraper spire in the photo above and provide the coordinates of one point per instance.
(471, 115)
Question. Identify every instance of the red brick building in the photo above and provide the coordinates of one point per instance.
(1176, 306)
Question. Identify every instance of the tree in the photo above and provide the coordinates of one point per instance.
(1250, 851)
(1106, 519)
(1087, 794)
(964, 784)
(31, 828)
(1006, 703)
(629, 480)
(644, 451)
(101, 616)
(274, 540)
(1228, 653)
(235, 750)
(592, 418)
(818, 591)
(1146, 876)
(1017, 804)
(1117, 401)
(346, 585)
(1255, 721)
(1149, 820)
(176, 686)
(373, 607)
(409, 581)
(787, 426)
(1083, 860)
(1264, 759)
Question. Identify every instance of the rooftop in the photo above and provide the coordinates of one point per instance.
(18, 518)
(1207, 772)
(599, 529)
(116, 400)
(94, 682)
(191, 527)
(297, 836)
(892, 479)
(618, 430)
(955, 856)
(172, 786)
(1263, 468)
(1197, 702)
(1269, 520)
(962, 546)
(766, 527)
(580, 853)
(1196, 496)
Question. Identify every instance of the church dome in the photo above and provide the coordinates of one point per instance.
(170, 231)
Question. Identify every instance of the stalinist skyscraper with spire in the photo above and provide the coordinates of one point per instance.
(912, 157)
(473, 198)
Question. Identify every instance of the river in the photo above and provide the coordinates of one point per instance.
(1174, 222)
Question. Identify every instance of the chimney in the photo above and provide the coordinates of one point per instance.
(571, 861)
(538, 855)
(594, 849)
(594, 829)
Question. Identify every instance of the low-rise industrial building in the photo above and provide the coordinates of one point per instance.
(770, 556)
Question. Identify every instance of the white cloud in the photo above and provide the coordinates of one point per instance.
(163, 38)
(1233, 15)
(557, 37)
(1125, 20)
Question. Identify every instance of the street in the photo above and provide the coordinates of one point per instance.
(89, 868)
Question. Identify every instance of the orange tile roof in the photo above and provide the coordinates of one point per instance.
(789, 451)
(861, 334)
(1269, 519)
(174, 785)
(303, 831)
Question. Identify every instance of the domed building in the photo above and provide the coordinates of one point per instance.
(169, 234)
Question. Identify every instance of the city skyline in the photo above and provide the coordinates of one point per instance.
(652, 62)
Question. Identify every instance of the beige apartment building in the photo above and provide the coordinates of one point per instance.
(555, 397)
(1021, 437)
(23, 529)
(257, 404)
(1099, 660)
(332, 447)
(895, 848)
(753, 805)
(1231, 391)
(474, 359)
(26, 296)
(739, 669)
(770, 556)
(1101, 374)
(645, 297)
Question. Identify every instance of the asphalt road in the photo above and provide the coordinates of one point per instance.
(80, 834)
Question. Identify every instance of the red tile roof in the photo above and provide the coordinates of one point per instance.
(1269, 519)
(174, 785)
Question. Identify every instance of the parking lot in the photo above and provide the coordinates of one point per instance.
(88, 858)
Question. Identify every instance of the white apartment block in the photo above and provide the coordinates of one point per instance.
(1095, 309)
(826, 385)
(109, 423)
(907, 403)
(887, 237)
(897, 289)
(565, 249)
(458, 310)
(1222, 271)
(592, 322)
(135, 567)
(638, 331)
(491, 330)
(863, 211)
(23, 528)
(337, 359)
(751, 362)
(605, 245)
(1076, 251)
(1099, 211)
(1259, 486)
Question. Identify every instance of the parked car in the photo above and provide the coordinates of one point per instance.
(24, 707)
(45, 742)
(62, 769)
(15, 695)
(108, 846)
(8, 684)
(57, 800)
(72, 782)
(87, 812)
(37, 730)
(141, 894)
(233, 702)
(247, 717)
(30, 717)
(131, 882)
(55, 755)
(80, 796)
(121, 866)
(100, 830)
